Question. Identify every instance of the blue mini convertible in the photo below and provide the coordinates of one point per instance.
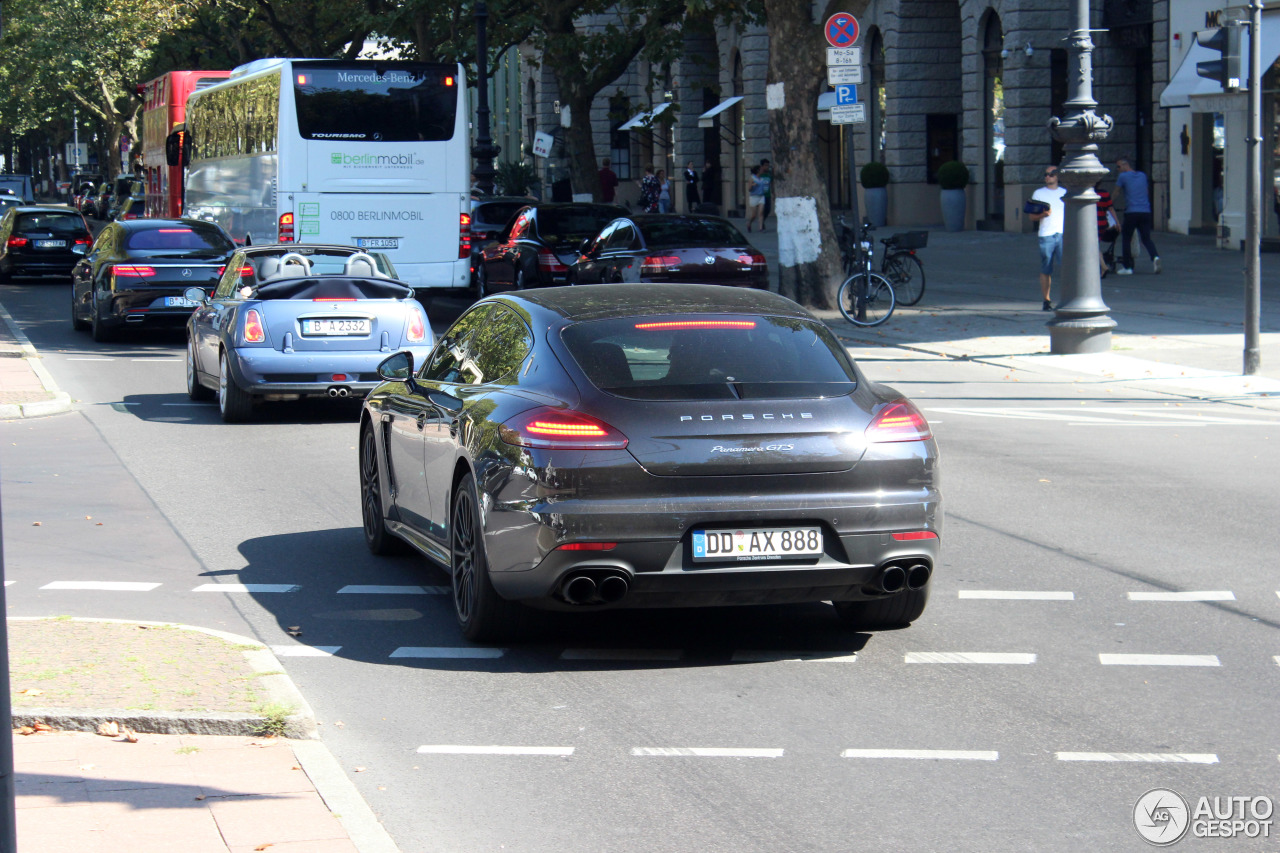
(293, 321)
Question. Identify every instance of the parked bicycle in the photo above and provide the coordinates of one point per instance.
(866, 298)
(899, 264)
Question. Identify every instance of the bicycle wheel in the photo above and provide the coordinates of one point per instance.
(906, 273)
(866, 299)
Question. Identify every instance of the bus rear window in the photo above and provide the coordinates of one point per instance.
(376, 101)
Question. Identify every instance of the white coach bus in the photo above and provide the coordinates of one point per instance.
(363, 152)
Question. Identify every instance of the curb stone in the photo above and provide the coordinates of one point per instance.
(61, 400)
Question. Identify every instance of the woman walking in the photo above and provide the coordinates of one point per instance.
(649, 190)
(664, 192)
(755, 199)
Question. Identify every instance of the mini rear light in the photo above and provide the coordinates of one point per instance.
(558, 428)
(658, 263)
(417, 331)
(17, 242)
(914, 535)
(548, 262)
(587, 546)
(253, 331)
(464, 235)
(697, 324)
(898, 421)
(132, 271)
(285, 230)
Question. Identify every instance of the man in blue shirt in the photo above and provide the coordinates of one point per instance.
(1137, 216)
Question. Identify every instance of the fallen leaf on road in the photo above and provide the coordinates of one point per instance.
(1044, 481)
(359, 769)
(129, 735)
(295, 767)
(339, 724)
(99, 524)
(26, 730)
(31, 691)
(200, 796)
(263, 846)
(109, 729)
(41, 726)
(35, 524)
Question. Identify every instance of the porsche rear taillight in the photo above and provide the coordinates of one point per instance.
(898, 421)
(285, 230)
(464, 235)
(548, 262)
(254, 333)
(560, 428)
(417, 328)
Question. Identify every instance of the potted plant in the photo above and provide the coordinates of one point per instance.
(874, 178)
(953, 177)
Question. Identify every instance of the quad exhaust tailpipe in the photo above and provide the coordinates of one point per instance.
(918, 576)
(339, 391)
(605, 587)
(579, 589)
(904, 574)
(892, 578)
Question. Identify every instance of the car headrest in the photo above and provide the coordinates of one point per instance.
(268, 267)
(360, 264)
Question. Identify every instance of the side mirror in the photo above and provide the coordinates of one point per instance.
(397, 368)
(195, 294)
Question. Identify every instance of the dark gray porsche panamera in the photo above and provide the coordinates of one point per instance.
(638, 445)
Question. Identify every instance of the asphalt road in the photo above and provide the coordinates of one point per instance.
(1103, 623)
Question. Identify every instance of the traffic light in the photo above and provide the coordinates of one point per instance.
(1225, 40)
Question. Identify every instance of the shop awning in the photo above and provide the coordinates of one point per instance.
(708, 119)
(1185, 82)
(644, 119)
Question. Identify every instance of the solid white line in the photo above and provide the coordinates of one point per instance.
(446, 652)
(358, 589)
(247, 587)
(1151, 757)
(103, 586)
(1159, 660)
(936, 754)
(1016, 595)
(969, 657)
(764, 656)
(297, 651)
(159, 360)
(706, 752)
(1215, 595)
(446, 749)
(78, 358)
(621, 654)
(117, 403)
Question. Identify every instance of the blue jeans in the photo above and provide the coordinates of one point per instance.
(1050, 251)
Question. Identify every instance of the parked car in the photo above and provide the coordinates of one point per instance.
(19, 185)
(291, 321)
(137, 272)
(126, 188)
(134, 207)
(489, 216)
(669, 247)
(99, 202)
(539, 243)
(644, 445)
(37, 240)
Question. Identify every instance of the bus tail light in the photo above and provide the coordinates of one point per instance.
(286, 228)
(253, 331)
(464, 235)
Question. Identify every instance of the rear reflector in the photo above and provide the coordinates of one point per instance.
(253, 331)
(338, 377)
(557, 428)
(588, 546)
(914, 535)
(698, 324)
(898, 421)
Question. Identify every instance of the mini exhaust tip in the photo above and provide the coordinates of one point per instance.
(893, 578)
(918, 576)
(338, 391)
(579, 589)
(613, 588)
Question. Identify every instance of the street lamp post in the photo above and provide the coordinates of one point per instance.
(76, 142)
(1080, 323)
(484, 150)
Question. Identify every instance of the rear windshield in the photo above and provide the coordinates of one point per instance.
(710, 357)
(685, 231)
(180, 238)
(376, 101)
(497, 212)
(573, 224)
(59, 223)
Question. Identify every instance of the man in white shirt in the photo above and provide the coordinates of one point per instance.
(1051, 225)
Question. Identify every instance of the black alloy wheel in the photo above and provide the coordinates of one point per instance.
(894, 611)
(376, 536)
(483, 615)
(195, 390)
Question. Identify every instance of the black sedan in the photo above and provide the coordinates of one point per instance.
(41, 241)
(585, 448)
(671, 247)
(137, 271)
(537, 246)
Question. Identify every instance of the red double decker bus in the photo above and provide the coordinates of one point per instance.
(166, 107)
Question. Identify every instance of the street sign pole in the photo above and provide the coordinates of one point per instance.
(844, 72)
(1253, 195)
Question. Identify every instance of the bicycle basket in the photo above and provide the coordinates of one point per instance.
(910, 240)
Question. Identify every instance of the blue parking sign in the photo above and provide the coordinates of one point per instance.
(847, 93)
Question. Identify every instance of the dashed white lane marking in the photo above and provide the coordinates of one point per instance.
(1097, 417)
(934, 754)
(1277, 660)
(1149, 757)
(621, 654)
(359, 589)
(450, 749)
(969, 657)
(297, 651)
(159, 360)
(707, 752)
(1211, 595)
(1159, 660)
(247, 587)
(453, 652)
(766, 656)
(1016, 595)
(102, 586)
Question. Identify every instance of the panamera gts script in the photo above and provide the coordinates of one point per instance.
(765, 416)
(779, 448)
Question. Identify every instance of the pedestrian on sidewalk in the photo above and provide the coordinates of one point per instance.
(1051, 220)
(691, 198)
(608, 181)
(755, 199)
(1108, 229)
(649, 191)
(664, 192)
(1137, 216)
(766, 175)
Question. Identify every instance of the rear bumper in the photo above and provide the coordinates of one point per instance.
(262, 370)
(42, 266)
(444, 275)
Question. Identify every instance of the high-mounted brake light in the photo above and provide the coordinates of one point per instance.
(253, 331)
(558, 428)
(174, 230)
(131, 271)
(417, 328)
(658, 263)
(464, 235)
(302, 79)
(914, 535)
(587, 546)
(898, 421)
(697, 324)
(548, 262)
(285, 231)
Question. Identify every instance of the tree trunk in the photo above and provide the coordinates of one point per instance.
(581, 145)
(808, 252)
